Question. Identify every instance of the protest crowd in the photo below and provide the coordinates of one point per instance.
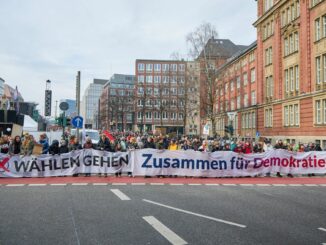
(121, 142)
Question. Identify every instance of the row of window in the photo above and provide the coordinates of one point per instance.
(159, 79)
(172, 103)
(291, 44)
(157, 115)
(291, 115)
(290, 13)
(164, 91)
(320, 28)
(161, 67)
(238, 102)
(269, 86)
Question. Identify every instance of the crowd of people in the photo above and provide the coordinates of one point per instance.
(127, 141)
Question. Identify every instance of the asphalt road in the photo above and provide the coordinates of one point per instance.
(162, 215)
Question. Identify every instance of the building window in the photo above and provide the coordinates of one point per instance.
(291, 115)
(141, 67)
(315, 2)
(297, 77)
(318, 70)
(148, 115)
(291, 44)
(238, 102)
(173, 67)
(245, 79)
(253, 116)
(268, 56)
(269, 86)
(269, 118)
(253, 98)
(149, 79)
(320, 111)
(157, 67)
(149, 67)
(141, 79)
(238, 82)
(182, 67)
(165, 67)
(139, 115)
(245, 100)
(317, 29)
(232, 85)
(157, 79)
(253, 75)
(268, 5)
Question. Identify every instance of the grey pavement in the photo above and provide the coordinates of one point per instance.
(95, 215)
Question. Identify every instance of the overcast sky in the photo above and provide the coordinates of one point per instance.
(53, 39)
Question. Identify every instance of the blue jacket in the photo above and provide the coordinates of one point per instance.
(45, 144)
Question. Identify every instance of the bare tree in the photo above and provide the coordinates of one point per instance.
(201, 50)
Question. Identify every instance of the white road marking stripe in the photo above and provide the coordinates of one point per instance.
(157, 183)
(229, 184)
(322, 229)
(246, 184)
(176, 184)
(37, 185)
(195, 184)
(121, 195)
(310, 185)
(15, 185)
(100, 184)
(164, 231)
(263, 185)
(279, 184)
(119, 183)
(138, 183)
(212, 184)
(322, 185)
(79, 184)
(58, 184)
(196, 214)
(294, 184)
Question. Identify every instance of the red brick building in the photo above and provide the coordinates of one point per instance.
(290, 79)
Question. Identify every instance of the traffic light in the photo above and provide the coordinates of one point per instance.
(68, 122)
(58, 121)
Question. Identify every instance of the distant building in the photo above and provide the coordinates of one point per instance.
(160, 95)
(2, 87)
(89, 103)
(117, 103)
(72, 110)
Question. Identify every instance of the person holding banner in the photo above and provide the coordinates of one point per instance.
(4, 144)
(15, 146)
(88, 145)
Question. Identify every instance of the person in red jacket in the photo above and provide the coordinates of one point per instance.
(247, 148)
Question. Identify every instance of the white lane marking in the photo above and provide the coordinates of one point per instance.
(195, 184)
(322, 229)
(119, 183)
(246, 184)
(15, 185)
(79, 184)
(294, 184)
(172, 237)
(229, 184)
(157, 183)
(279, 184)
(100, 184)
(310, 185)
(196, 214)
(263, 185)
(322, 185)
(138, 183)
(212, 184)
(121, 195)
(58, 184)
(37, 185)
(176, 184)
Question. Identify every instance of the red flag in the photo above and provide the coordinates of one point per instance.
(110, 136)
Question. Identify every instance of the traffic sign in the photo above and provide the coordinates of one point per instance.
(77, 122)
(64, 106)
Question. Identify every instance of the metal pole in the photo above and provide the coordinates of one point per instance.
(78, 98)
(56, 108)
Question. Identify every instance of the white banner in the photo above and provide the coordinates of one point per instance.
(151, 162)
(225, 164)
(81, 161)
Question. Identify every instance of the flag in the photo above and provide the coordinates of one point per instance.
(110, 136)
